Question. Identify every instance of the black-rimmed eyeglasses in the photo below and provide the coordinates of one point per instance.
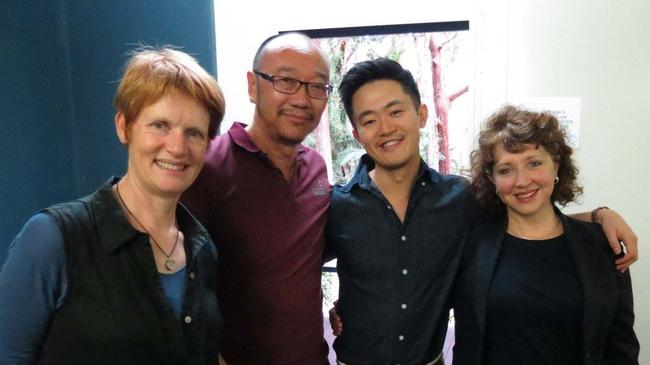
(289, 85)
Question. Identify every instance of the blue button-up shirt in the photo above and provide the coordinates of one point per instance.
(396, 277)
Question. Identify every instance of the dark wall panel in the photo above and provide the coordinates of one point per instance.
(100, 33)
(37, 163)
(60, 65)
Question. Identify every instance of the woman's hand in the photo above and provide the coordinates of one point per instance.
(335, 321)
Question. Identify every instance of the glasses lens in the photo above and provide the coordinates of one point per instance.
(286, 85)
(318, 91)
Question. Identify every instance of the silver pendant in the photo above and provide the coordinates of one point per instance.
(170, 264)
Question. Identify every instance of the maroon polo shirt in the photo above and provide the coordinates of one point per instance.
(270, 237)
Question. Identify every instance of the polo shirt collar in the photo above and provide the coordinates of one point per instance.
(241, 138)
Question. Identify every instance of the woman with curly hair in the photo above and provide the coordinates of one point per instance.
(537, 287)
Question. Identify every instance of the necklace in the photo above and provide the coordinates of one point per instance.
(546, 235)
(170, 264)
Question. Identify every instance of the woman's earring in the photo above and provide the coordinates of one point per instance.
(557, 179)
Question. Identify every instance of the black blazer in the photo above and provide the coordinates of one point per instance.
(608, 318)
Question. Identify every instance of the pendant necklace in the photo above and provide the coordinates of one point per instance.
(170, 264)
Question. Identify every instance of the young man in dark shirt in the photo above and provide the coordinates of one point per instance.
(398, 227)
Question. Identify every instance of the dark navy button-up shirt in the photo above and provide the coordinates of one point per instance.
(396, 278)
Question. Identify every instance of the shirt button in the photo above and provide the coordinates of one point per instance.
(403, 306)
(401, 338)
(192, 275)
(403, 238)
(404, 272)
(423, 183)
(188, 319)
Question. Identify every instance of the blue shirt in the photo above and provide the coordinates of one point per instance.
(35, 276)
(174, 286)
(33, 284)
(396, 278)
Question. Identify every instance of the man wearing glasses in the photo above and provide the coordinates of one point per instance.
(263, 197)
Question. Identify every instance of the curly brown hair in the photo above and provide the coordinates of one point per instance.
(513, 128)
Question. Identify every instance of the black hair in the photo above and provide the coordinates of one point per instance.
(373, 70)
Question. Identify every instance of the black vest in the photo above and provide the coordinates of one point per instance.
(115, 311)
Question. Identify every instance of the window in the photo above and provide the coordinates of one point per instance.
(439, 57)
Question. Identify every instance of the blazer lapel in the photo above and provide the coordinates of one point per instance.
(487, 254)
(596, 285)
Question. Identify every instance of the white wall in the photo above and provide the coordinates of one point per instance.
(242, 25)
(599, 51)
(594, 50)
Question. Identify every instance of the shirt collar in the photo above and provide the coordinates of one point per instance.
(241, 138)
(115, 230)
(366, 164)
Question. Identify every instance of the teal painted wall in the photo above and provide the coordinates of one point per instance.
(60, 65)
